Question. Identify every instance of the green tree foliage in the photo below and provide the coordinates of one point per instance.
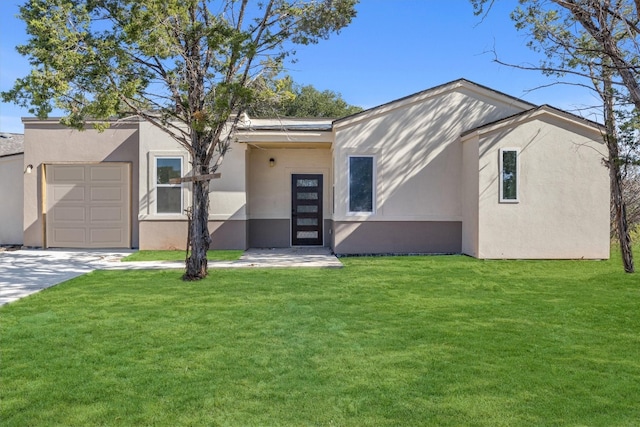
(185, 66)
(583, 38)
(596, 40)
(288, 99)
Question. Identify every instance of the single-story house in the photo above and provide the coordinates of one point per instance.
(458, 168)
(11, 186)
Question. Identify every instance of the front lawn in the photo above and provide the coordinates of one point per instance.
(406, 341)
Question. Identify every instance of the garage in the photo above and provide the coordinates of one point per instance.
(88, 205)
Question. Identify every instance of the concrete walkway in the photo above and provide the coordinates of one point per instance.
(28, 271)
(317, 257)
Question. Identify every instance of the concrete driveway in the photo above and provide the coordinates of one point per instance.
(27, 271)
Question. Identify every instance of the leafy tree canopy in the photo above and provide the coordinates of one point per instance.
(284, 98)
(185, 66)
(580, 36)
(190, 61)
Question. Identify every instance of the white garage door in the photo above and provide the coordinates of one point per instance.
(88, 206)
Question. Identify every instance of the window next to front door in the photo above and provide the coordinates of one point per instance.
(168, 196)
(361, 184)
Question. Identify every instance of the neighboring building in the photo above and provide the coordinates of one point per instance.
(458, 168)
(11, 185)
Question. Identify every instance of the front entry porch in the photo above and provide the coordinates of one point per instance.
(288, 197)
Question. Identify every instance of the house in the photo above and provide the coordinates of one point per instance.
(11, 184)
(458, 168)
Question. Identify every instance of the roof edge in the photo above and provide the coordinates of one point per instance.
(545, 108)
(21, 153)
(428, 93)
(56, 120)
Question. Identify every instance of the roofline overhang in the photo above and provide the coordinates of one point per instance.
(2, 156)
(532, 114)
(284, 137)
(56, 121)
(428, 94)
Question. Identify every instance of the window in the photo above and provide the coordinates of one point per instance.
(168, 196)
(361, 183)
(509, 171)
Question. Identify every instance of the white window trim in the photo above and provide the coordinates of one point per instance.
(373, 186)
(500, 174)
(156, 185)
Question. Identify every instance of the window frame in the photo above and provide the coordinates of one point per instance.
(373, 184)
(168, 185)
(501, 175)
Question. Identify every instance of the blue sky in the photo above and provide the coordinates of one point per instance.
(392, 49)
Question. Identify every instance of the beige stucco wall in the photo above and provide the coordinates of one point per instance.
(418, 157)
(155, 142)
(563, 208)
(50, 142)
(228, 193)
(172, 234)
(11, 189)
(470, 177)
(270, 187)
(227, 199)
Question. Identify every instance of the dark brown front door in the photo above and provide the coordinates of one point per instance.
(306, 210)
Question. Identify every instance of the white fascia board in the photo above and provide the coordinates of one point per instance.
(284, 136)
(533, 114)
(429, 94)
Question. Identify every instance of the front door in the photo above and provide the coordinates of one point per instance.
(306, 210)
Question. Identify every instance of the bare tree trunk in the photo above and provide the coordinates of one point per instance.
(620, 208)
(196, 265)
(619, 205)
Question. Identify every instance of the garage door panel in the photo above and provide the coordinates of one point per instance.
(91, 213)
(99, 237)
(107, 174)
(106, 214)
(68, 173)
(111, 194)
(68, 193)
(68, 214)
(69, 235)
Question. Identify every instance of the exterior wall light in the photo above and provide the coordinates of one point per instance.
(272, 162)
(29, 169)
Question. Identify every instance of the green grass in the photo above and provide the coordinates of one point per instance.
(175, 255)
(403, 341)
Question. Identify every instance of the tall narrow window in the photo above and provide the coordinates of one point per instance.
(509, 175)
(168, 196)
(361, 184)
